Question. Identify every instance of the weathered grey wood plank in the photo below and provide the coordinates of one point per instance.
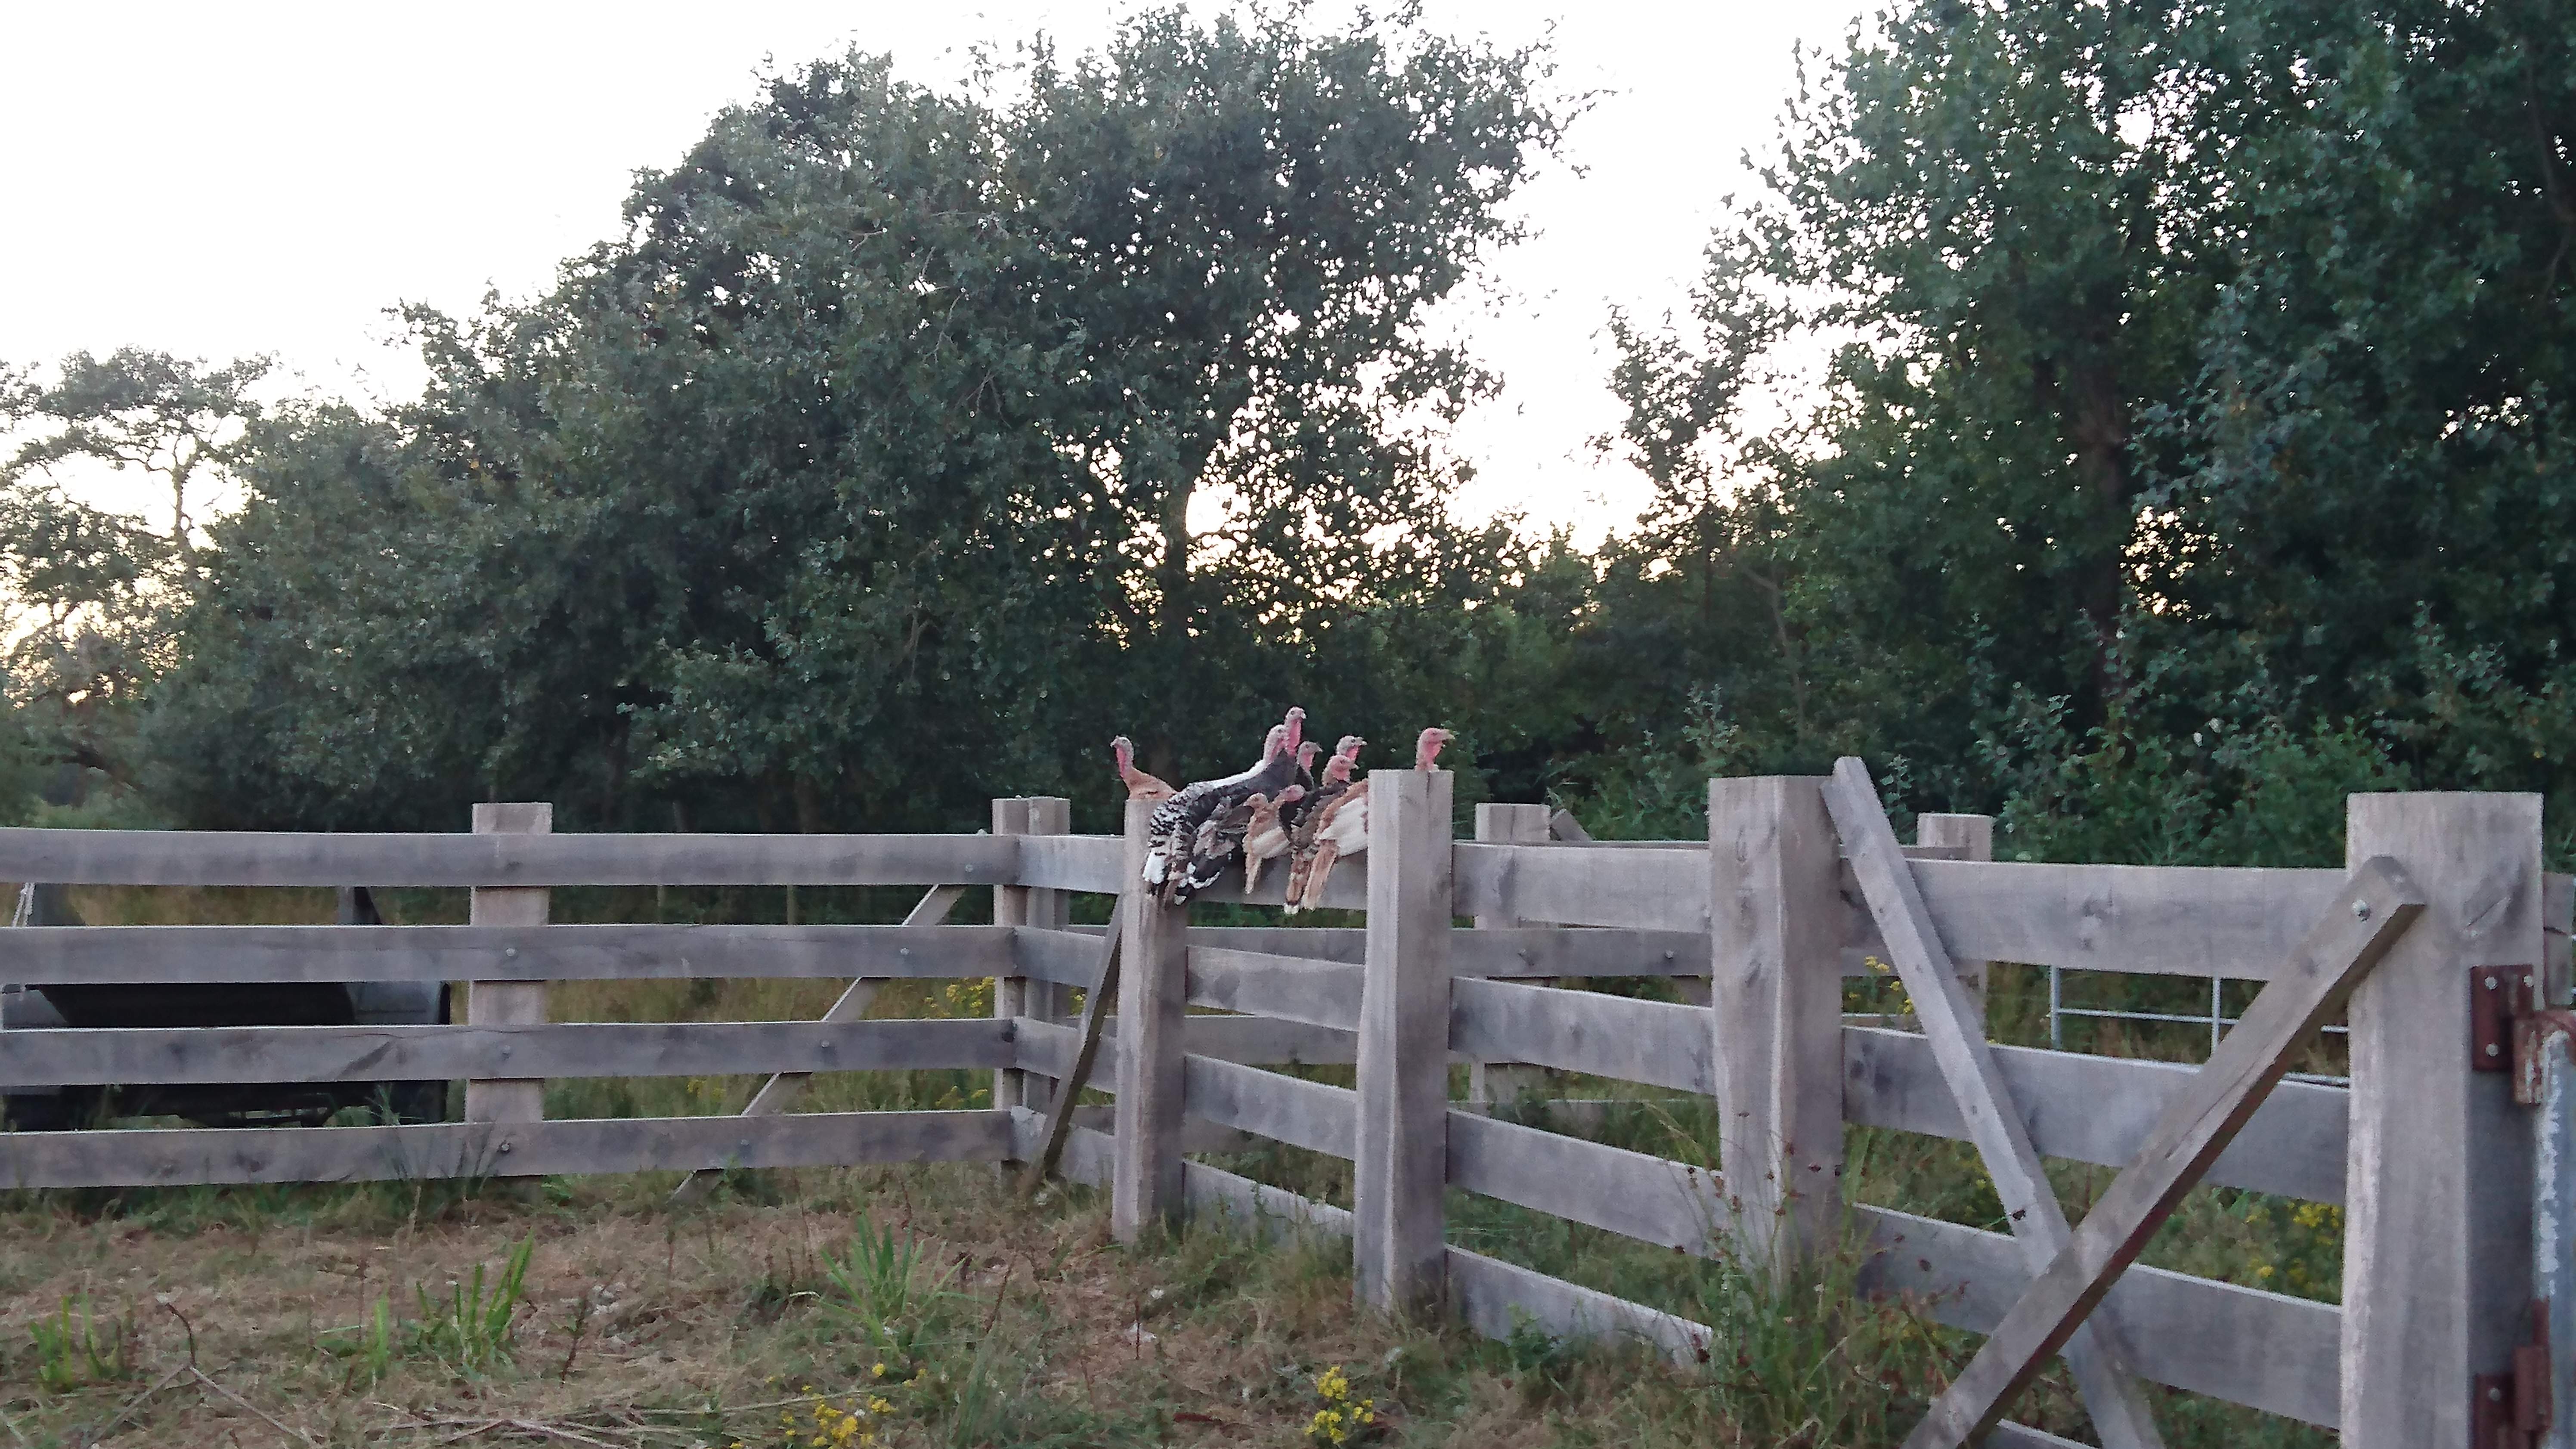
(1399, 1160)
(2265, 1350)
(1301, 1113)
(1288, 987)
(1086, 863)
(1153, 995)
(1583, 1031)
(432, 1053)
(1495, 1298)
(1345, 889)
(2437, 1200)
(2100, 1109)
(1959, 837)
(1069, 1085)
(1504, 824)
(2151, 919)
(2306, 991)
(1775, 933)
(783, 1088)
(234, 1155)
(1256, 1041)
(1665, 890)
(1967, 1063)
(1261, 1207)
(255, 858)
(494, 1001)
(46, 955)
(1652, 1199)
(1542, 951)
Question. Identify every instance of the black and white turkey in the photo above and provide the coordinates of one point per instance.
(1183, 823)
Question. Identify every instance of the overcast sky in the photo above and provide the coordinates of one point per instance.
(221, 180)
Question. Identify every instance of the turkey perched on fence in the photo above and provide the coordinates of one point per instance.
(1339, 826)
(1174, 834)
(1265, 837)
(1140, 786)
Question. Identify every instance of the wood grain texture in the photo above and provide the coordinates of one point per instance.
(518, 1097)
(1070, 1083)
(2306, 990)
(1962, 837)
(1495, 1298)
(1583, 1031)
(1540, 951)
(1152, 996)
(2265, 1350)
(256, 858)
(235, 1155)
(1049, 1047)
(1499, 824)
(46, 955)
(1054, 861)
(566, 1049)
(1291, 988)
(1775, 1024)
(2437, 1197)
(2095, 1352)
(1652, 1199)
(1018, 907)
(1399, 1161)
(2150, 919)
(1262, 1209)
(1312, 1115)
(2100, 1109)
(1663, 890)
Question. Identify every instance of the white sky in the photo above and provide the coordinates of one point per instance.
(222, 180)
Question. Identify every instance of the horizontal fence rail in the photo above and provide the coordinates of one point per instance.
(73, 955)
(252, 858)
(240, 1155)
(2100, 1110)
(111, 1056)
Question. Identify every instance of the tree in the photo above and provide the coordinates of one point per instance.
(837, 486)
(95, 591)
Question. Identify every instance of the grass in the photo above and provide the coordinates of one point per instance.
(426, 1312)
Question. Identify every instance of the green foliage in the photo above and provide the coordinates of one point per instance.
(473, 1326)
(2198, 369)
(76, 1347)
(879, 1285)
(903, 447)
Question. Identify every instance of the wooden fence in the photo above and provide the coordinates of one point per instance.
(2426, 1151)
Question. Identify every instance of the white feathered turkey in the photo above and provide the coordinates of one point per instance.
(1174, 834)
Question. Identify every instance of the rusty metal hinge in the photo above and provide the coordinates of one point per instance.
(2513, 1409)
(2497, 996)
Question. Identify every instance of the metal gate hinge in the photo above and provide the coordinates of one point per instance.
(2513, 1409)
(2498, 995)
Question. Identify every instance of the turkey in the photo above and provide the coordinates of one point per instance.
(1339, 827)
(1140, 786)
(1173, 834)
(1265, 836)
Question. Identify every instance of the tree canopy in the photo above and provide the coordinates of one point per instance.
(2146, 421)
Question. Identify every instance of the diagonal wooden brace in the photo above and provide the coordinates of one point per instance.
(782, 1089)
(2377, 905)
(1095, 1007)
(1952, 1024)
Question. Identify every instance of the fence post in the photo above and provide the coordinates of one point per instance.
(1974, 837)
(1398, 1250)
(2437, 1196)
(507, 1003)
(1775, 979)
(1015, 996)
(1492, 1082)
(1145, 1180)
